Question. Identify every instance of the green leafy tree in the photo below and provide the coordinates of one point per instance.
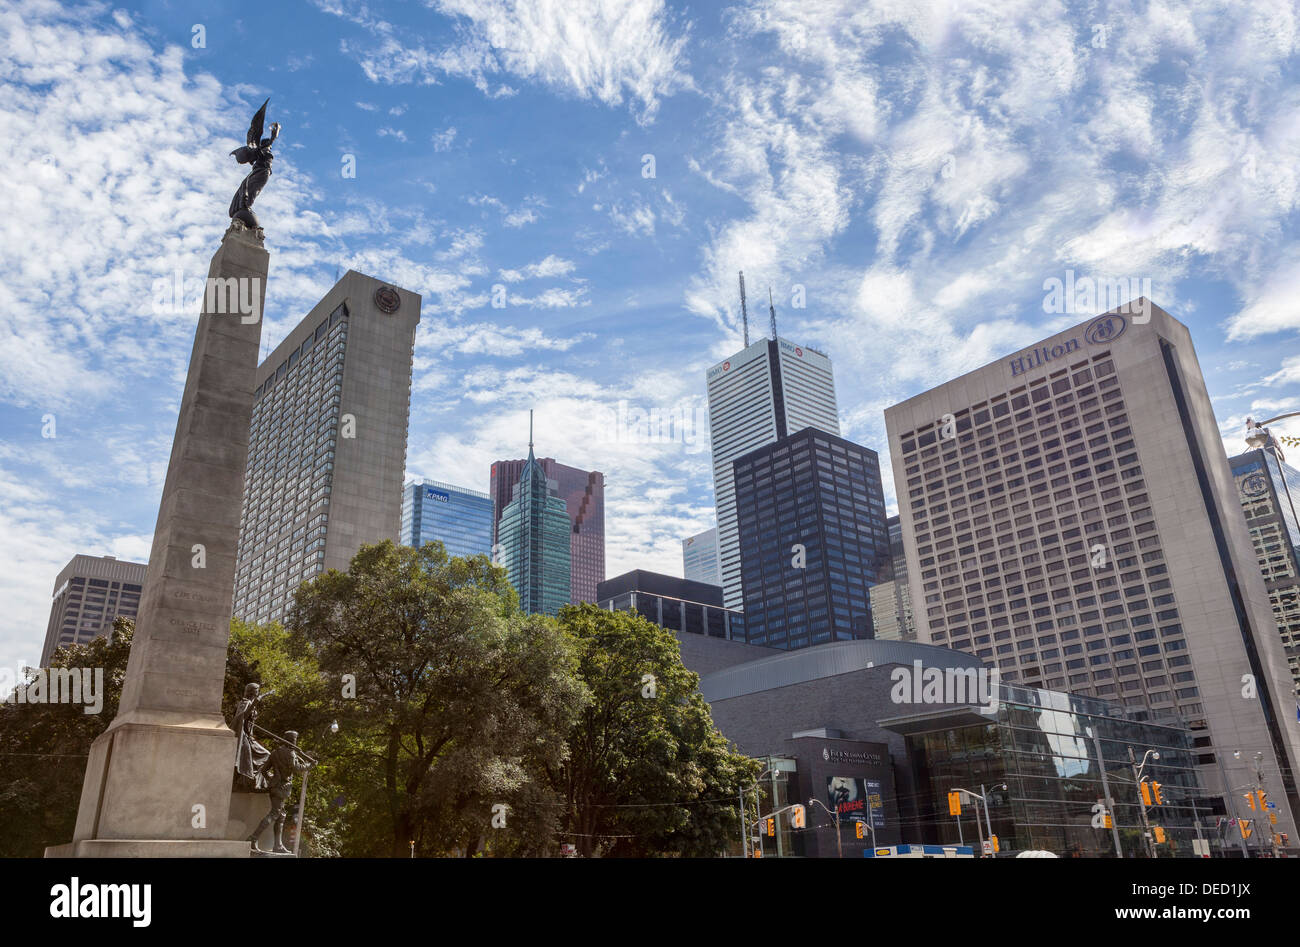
(43, 749)
(452, 701)
(648, 773)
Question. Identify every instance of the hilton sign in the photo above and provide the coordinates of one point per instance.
(1101, 331)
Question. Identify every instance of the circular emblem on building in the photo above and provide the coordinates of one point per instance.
(826, 754)
(798, 351)
(725, 366)
(386, 299)
(1254, 485)
(1105, 329)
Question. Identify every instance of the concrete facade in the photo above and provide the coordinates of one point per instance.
(89, 592)
(168, 749)
(1069, 513)
(327, 450)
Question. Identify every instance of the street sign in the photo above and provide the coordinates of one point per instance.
(988, 847)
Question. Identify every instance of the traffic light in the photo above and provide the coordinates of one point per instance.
(1263, 799)
(1155, 793)
(860, 829)
(1146, 792)
(1109, 823)
(954, 803)
(798, 818)
(996, 846)
(1160, 833)
(771, 826)
(1250, 800)
(1244, 825)
(1272, 818)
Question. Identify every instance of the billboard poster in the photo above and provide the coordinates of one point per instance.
(853, 798)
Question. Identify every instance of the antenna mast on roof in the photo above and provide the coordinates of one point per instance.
(530, 429)
(771, 307)
(744, 312)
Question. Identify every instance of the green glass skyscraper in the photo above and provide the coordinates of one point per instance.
(534, 540)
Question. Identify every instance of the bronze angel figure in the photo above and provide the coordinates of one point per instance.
(257, 153)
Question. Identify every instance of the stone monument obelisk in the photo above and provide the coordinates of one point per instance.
(158, 780)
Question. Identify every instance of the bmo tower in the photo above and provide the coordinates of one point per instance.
(764, 392)
(1076, 522)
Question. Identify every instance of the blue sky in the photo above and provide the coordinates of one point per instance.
(913, 171)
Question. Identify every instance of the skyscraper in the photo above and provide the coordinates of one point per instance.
(1270, 491)
(89, 592)
(1070, 514)
(583, 492)
(891, 598)
(764, 392)
(700, 561)
(533, 539)
(459, 518)
(327, 446)
(811, 526)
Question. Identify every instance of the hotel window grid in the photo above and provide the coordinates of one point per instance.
(1012, 518)
(291, 443)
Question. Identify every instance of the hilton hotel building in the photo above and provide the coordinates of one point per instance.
(327, 445)
(1080, 528)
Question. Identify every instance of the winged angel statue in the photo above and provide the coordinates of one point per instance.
(257, 153)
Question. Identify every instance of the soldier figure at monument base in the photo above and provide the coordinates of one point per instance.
(278, 773)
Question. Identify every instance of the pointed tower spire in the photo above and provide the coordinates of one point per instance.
(771, 307)
(530, 432)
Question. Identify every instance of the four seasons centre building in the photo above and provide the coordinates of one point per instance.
(1075, 522)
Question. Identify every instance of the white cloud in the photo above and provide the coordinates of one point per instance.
(550, 267)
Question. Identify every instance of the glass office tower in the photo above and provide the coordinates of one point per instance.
(533, 536)
(459, 518)
(812, 539)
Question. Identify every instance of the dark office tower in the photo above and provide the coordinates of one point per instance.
(533, 542)
(1270, 494)
(811, 526)
(583, 492)
(88, 594)
(327, 445)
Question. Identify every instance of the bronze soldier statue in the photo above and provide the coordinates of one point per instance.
(250, 755)
(284, 762)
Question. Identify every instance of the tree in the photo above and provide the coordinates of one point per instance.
(648, 773)
(43, 748)
(454, 701)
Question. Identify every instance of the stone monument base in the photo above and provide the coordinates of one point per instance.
(246, 810)
(145, 848)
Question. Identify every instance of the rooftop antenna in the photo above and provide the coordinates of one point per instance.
(530, 430)
(771, 307)
(744, 312)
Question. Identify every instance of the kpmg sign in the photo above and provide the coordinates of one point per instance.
(437, 495)
(1101, 331)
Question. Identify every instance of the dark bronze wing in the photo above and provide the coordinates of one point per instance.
(255, 129)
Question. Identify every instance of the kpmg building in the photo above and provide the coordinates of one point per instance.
(764, 392)
(327, 444)
(810, 521)
(1070, 516)
(700, 561)
(457, 517)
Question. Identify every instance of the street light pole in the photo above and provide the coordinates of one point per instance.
(1142, 806)
(839, 838)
